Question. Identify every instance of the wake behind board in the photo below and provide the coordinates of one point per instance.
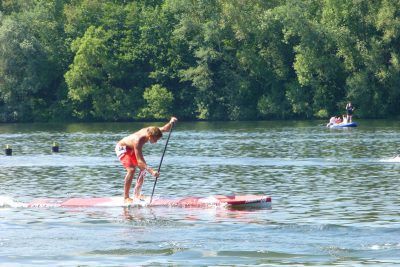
(244, 201)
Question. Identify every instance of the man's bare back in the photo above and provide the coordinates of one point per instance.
(134, 139)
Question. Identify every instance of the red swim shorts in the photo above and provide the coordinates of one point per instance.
(126, 155)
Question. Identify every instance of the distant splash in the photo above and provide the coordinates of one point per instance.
(8, 202)
(394, 159)
(384, 246)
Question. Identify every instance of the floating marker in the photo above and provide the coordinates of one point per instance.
(55, 148)
(8, 150)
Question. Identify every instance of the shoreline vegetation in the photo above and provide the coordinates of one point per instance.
(226, 60)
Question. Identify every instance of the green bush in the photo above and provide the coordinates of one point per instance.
(158, 103)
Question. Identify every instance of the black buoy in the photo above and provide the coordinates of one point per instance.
(55, 148)
(8, 150)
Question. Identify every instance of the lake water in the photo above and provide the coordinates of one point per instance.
(335, 196)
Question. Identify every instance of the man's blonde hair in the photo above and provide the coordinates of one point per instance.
(154, 132)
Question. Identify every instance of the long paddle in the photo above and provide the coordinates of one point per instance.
(162, 157)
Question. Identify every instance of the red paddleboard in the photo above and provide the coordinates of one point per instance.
(245, 201)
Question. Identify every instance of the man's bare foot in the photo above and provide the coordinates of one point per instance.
(128, 200)
(141, 197)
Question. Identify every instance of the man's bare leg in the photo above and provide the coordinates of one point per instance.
(139, 183)
(128, 182)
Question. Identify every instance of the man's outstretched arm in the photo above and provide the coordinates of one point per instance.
(167, 127)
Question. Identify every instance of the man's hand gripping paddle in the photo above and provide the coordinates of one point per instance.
(162, 157)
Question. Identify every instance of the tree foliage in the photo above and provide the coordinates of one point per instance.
(209, 60)
(158, 103)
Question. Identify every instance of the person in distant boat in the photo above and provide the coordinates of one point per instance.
(129, 152)
(345, 119)
(349, 110)
(331, 121)
(338, 120)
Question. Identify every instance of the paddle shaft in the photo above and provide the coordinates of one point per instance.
(162, 157)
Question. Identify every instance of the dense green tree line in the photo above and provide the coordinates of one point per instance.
(113, 60)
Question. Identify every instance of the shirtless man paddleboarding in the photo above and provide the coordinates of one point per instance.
(129, 152)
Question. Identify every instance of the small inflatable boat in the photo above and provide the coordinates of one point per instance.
(343, 125)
